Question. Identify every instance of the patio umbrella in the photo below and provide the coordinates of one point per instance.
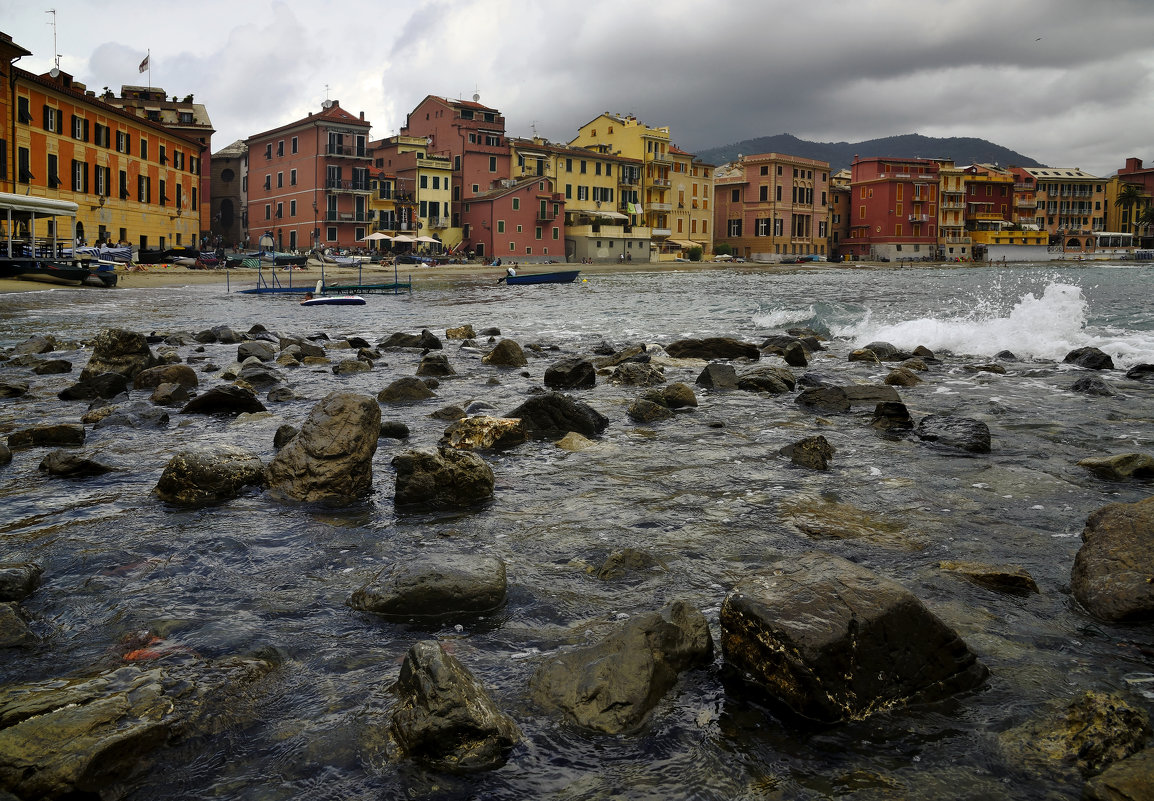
(375, 236)
(425, 239)
(403, 238)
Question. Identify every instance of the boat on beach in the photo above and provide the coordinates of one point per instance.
(332, 300)
(559, 277)
(27, 255)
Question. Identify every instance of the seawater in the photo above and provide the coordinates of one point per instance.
(706, 493)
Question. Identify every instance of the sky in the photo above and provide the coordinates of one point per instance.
(1069, 83)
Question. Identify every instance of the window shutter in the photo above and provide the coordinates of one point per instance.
(47, 123)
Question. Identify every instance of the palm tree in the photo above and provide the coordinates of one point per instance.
(1129, 196)
(1145, 220)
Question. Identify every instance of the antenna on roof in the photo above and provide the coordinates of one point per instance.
(55, 71)
(476, 93)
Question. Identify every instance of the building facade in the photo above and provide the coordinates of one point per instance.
(422, 183)
(772, 207)
(894, 209)
(519, 220)
(229, 178)
(309, 181)
(1070, 204)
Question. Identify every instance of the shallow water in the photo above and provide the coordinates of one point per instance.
(706, 493)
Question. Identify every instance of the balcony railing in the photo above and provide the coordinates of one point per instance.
(351, 151)
(347, 216)
(438, 222)
(916, 218)
(334, 185)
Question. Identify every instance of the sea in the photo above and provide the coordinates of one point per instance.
(707, 494)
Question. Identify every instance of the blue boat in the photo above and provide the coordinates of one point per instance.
(562, 277)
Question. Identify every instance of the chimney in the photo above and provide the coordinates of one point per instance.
(362, 116)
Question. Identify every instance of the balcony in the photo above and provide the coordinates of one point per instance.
(438, 222)
(347, 216)
(660, 206)
(957, 206)
(660, 158)
(347, 151)
(662, 232)
(628, 180)
(659, 182)
(919, 218)
(333, 185)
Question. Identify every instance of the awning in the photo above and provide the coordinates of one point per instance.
(612, 215)
(683, 243)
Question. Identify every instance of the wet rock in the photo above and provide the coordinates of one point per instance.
(1013, 580)
(764, 379)
(18, 580)
(13, 389)
(461, 332)
(139, 414)
(53, 367)
(819, 632)
(426, 340)
(444, 718)
(209, 475)
(1128, 779)
(884, 351)
(902, 377)
(435, 364)
(507, 353)
(675, 396)
(1141, 372)
(391, 429)
(892, 417)
(823, 519)
(645, 411)
(776, 344)
(553, 415)
(812, 452)
(153, 377)
(264, 351)
(863, 355)
(1113, 575)
(281, 394)
(958, 433)
(115, 350)
(5, 454)
(485, 433)
(47, 436)
(612, 685)
(1121, 467)
(230, 400)
(795, 355)
(451, 412)
(915, 364)
(637, 374)
(170, 395)
(331, 459)
(1089, 358)
(441, 587)
(442, 479)
(574, 442)
(102, 385)
(258, 374)
(717, 376)
(284, 435)
(1083, 737)
(68, 464)
(826, 400)
(36, 344)
(710, 348)
(352, 366)
(406, 390)
(14, 633)
(1092, 385)
(630, 353)
(997, 369)
(575, 373)
(627, 562)
(870, 394)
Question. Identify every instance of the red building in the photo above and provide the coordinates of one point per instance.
(309, 181)
(518, 221)
(893, 209)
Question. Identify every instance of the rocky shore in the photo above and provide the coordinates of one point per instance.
(819, 641)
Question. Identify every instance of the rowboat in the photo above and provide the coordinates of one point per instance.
(561, 277)
(333, 300)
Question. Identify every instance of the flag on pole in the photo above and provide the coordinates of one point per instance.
(144, 64)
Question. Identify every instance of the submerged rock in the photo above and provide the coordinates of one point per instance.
(1120, 467)
(47, 435)
(1127, 779)
(203, 476)
(438, 586)
(18, 580)
(1013, 580)
(713, 348)
(957, 433)
(812, 452)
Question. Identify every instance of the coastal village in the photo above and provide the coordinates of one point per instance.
(454, 182)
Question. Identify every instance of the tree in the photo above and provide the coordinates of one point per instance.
(1128, 197)
(1144, 220)
(722, 249)
(694, 253)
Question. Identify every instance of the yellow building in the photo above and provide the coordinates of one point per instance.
(1070, 203)
(954, 240)
(691, 186)
(412, 190)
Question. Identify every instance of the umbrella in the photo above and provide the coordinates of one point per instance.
(425, 239)
(376, 235)
(403, 238)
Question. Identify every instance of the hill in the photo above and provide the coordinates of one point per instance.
(962, 149)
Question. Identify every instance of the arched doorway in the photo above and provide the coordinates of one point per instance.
(227, 214)
(80, 240)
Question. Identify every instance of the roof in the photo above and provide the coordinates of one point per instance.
(1060, 172)
(333, 113)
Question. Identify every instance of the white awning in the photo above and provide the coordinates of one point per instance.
(612, 215)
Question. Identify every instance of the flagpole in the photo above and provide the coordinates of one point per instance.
(148, 61)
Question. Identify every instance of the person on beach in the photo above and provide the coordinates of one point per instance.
(510, 272)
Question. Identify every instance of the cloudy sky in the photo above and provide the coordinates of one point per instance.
(1067, 82)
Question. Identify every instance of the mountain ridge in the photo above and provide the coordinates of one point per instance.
(963, 150)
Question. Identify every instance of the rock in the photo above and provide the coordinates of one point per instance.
(426, 340)
(170, 395)
(823, 519)
(922, 352)
(1113, 575)
(406, 390)
(13, 389)
(795, 356)
(1089, 358)
(284, 435)
(675, 396)
(331, 459)
(232, 400)
(811, 452)
(1120, 467)
(986, 368)
(553, 415)
(53, 367)
(575, 373)
(637, 374)
(462, 332)
(1141, 372)
(902, 377)
(916, 364)
(764, 380)
(36, 344)
(1128, 779)
(892, 417)
(1092, 385)
(440, 587)
(646, 411)
(444, 719)
(483, 432)
(115, 350)
(612, 359)
(139, 414)
(352, 366)
(620, 564)
(209, 475)
(66, 464)
(611, 686)
(280, 394)
(1013, 580)
(870, 394)
(777, 344)
(47, 436)
(717, 376)
(435, 364)
(443, 479)
(825, 400)
(507, 354)
(18, 580)
(819, 632)
(451, 412)
(153, 377)
(1089, 733)
(264, 351)
(574, 442)
(864, 355)
(958, 433)
(91, 387)
(884, 351)
(392, 429)
(14, 633)
(5, 454)
(724, 348)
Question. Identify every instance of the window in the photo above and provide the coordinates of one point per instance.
(268, 151)
(268, 182)
(778, 226)
(332, 234)
(424, 182)
(763, 193)
(163, 192)
(292, 208)
(123, 143)
(734, 228)
(516, 204)
(500, 226)
(280, 150)
(79, 128)
(102, 135)
(293, 145)
(163, 155)
(568, 165)
(143, 188)
(556, 233)
(23, 114)
(568, 191)
(735, 195)
(582, 193)
(53, 171)
(279, 210)
(293, 176)
(103, 180)
(280, 180)
(143, 148)
(123, 185)
(761, 227)
(179, 196)
(583, 166)
(268, 211)
(79, 176)
(53, 119)
(492, 163)
(537, 232)
(765, 169)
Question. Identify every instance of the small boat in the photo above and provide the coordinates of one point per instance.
(562, 277)
(284, 259)
(333, 300)
(55, 272)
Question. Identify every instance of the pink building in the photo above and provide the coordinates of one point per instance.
(518, 221)
(893, 209)
(309, 181)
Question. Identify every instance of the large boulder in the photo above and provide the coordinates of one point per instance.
(153, 377)
(507, 353)
(95, 385)
(203, 476)
(437, 587)
(711, 348)
(115, 350)
(612, 685)
(1113, 575)
(442, 479)
(228, 399)
(444, 719)
(834, 641)
(1090, 358)
(955, 433)
(485, 433)
(553, 415)
(717, 375)
(574, 373)
(331, 459)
